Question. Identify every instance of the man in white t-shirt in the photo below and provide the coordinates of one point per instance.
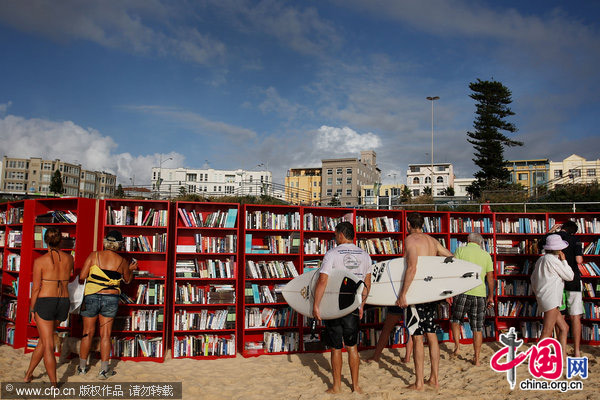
(344, 331)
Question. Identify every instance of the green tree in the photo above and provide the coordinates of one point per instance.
(182, 191)
(492, 108)
(119, 192)
(56, 183)
(427, 191)
(335, 201)
(406, 194)
(449, 191)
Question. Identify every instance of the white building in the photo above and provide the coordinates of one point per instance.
(573, 169)
(168, 182)
(420, 176)
(460, 186)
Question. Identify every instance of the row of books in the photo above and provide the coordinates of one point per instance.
(522, 225)
(204, 346)
(270, 317)
(386, 245)
(592, 248)
(507, 268)
(210, 294)
(14, 216)
(9, 309)
(318, 245)
(323, 223)
(377, 224)
(432, 224)
(469, 225)
(260, 294)
(455, 243)
(216, 219)
(590, 332)
(368, 337)
(156, 243)
(210, 244)
(508, 246)
(138, 346)
(185, 320)
(513, 288)
(591, 225)
(589, 269)
(67, 242)
(270, 269)
(270, 220)
(531, 329)
(588, 289)
(150, 293)
(140, 320)
(2, 238)
(57, 217)
(13, 262)
(7, 332)
(273, 244)
(591, 310)
(15, 238)
(213, 269)
(275, 342)
(136, 216)
(518, 308)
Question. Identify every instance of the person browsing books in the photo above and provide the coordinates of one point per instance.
(343, 331)
(547, 282)
(574, 300)
(104, 271)
(475, 301)
(49, 301)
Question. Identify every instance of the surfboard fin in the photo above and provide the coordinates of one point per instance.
(348, 290)
(449, 259)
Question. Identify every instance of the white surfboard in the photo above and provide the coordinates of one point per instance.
(343, 293)
(437, 278)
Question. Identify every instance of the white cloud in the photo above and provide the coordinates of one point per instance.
(4, 107)
(344, 140)
(67, 141)
(134, 26)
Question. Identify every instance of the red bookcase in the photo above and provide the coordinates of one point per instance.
(9, 277)
(205, 280)
(271, 256)
(139, 330)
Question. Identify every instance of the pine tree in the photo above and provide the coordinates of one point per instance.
(119, 192)
(492, 108)
(56, 184)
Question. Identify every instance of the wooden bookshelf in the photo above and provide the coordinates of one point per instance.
(205, 290)
(139, 329)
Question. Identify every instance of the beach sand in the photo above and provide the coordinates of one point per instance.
(307, 376)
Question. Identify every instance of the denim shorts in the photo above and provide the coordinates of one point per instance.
(100, 304)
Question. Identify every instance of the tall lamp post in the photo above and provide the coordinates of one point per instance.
(432, 99)
(159, 180)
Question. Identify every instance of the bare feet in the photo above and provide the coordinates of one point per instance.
(27, 379)
(454, 354)
(405, 360)
(415, 387)
(372, 360)
(357, 389)
(475, 362)
(333, 390)
(434, 385)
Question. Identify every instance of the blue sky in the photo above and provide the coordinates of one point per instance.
(116, 85)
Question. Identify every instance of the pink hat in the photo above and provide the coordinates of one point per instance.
(555, 242)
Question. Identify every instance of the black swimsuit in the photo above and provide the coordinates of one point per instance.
(53, 308)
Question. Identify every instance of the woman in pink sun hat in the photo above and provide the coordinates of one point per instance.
(547, 282)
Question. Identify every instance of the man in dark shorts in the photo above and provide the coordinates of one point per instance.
(574, 300)
(344, 331)
(421, 244)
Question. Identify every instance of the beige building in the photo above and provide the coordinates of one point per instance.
(303, 186)
(420, 176)
(528, 173)
(377, 196)
(22, 176)
(573, 169)
(343, 178)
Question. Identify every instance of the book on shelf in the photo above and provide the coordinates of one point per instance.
(270, 269)
(147, 244)
(588, 289)
(468, 225)
(185, 320)
(259, 219)
(592, 248)
(213, 269)
(314, 222)
(591, 310)
(521, 225)
(377, 224)
(432, 225)
(204, 346)
(589, 225)
(589, 269)
(136, 216)
(216, 219)
(57, 217)
(387, 245)
(318, 245)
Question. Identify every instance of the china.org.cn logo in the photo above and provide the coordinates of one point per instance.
(545, 361)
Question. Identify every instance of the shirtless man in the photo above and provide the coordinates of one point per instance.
(420, 244)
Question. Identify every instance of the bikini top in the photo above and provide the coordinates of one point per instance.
(101, 279)
(58, 281)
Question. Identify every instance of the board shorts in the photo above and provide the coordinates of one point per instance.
(52, 308)
(427, 314)
(100, 304)
(473, 306)
(342, 331)
(573, 302)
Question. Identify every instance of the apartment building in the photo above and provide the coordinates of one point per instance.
(342, 178)
(573, 169)
(377, 195)
(529, 173)
(170, 182)
(303, 186)
(421, 176)
(33, 176)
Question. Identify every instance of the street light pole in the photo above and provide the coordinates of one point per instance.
(432, 99)
(159, 181)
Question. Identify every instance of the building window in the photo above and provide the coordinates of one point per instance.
(329, 192)
(415, 192)
(440, 169)
(329, 171)
(191, 177)
(440, 192)
(338, 180)
(522, 176)
(575, 172)
(558, 173)
(415, 169)
(349, 171)
(314, 184)
(591, 172)
(440, 179)
(330, 181)
(348, 192)
(338, 191)
(349, 180)
(427, 179)
(368, 192)
(338, 171)
(416, 181)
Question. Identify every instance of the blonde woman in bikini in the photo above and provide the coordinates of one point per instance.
(104, 271)
(49, 301)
